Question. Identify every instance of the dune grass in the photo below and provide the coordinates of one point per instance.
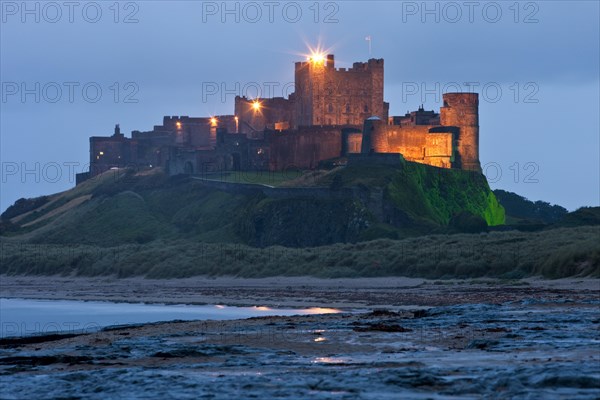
(553, 253)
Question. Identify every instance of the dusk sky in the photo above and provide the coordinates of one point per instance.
(535, 65)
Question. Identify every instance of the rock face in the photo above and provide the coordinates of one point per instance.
(303, 222)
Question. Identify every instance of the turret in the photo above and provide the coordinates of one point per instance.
(374, 137)
(117, 131)
(462, 110)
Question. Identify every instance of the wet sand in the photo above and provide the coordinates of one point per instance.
(297, 291)
(411, 339)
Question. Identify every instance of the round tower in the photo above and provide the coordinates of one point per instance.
(462, 110)
(374, 136)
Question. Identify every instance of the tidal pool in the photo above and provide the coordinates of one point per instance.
(24, 317)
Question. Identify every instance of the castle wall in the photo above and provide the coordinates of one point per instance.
(410, 140)
(119, 151)
(304, 148)
(416, 143)
(439, 149)
(233, 152)
(109, 152)
(195, 132)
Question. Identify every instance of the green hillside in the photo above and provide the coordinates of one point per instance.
(121, 207)
(361, 221)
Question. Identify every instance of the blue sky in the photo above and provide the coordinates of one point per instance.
(535, 65)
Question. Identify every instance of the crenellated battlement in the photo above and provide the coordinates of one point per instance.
(329, 64)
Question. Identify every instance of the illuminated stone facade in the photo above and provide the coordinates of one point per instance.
(334, 112)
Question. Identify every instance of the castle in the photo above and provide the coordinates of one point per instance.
(334, 113)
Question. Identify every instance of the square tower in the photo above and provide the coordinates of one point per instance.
(329, 96)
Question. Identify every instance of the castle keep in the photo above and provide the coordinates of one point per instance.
(334, 113)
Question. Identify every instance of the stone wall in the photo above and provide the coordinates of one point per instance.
(304, 148)
(416, 143)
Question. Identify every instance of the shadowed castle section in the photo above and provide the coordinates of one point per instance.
(333, 113)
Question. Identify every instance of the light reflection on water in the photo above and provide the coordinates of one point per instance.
(23, 317)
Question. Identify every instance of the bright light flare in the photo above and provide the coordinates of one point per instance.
(256, 105)
(318, 55)
(213, 121)
(317, 58)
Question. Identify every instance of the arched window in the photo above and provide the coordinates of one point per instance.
(330, 108)
(347, 108)
(366, 108)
